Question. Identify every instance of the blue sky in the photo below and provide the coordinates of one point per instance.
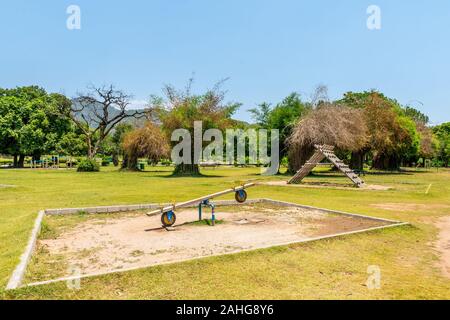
(267, 48)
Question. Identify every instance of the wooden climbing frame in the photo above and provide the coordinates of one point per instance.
(322, 152)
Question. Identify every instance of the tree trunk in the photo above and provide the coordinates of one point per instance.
(386, 162)
(115, 159)
(133, 163)
(298, 157)
(130, 163)
(357, 161)
(125, 161)
(15, 161)
(187, 169)
(90, 148)
(21, 161)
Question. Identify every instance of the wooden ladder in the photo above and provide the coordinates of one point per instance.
(325, 151)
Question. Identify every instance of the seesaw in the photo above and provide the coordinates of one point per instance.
(168, 216)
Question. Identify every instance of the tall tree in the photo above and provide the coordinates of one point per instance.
(283, 117)
(416, 115)
(97, 112)
(392, 135)
(30, 123)
(179, 109)
(117, 140)
(261, 114)
(427, 144)
(442, 134)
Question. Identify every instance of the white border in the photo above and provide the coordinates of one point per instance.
(17, 276)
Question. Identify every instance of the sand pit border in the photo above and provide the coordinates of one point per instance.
(18, 274)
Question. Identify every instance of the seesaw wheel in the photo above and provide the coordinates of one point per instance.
(241, 196)
(168, 218)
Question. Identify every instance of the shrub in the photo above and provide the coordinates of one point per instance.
(5, 161)
(87, 165)
(166, 162)
(105, 163)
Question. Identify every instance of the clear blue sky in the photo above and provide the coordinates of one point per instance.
(267, 48)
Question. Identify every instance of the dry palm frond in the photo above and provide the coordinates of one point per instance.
(337, 125)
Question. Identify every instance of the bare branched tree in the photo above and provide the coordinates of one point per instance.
(319, 96)
(97, 112)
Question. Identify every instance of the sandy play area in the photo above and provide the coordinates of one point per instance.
(102, 243)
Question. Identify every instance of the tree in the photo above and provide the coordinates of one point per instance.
(331, 124)
(442, 134)
(392, 135)
(117, 140)
(30, 123)
(98, 112)
(180, 109)
(113, 143)
(71, 144)
(283, 117)
(261, 114)
(427, 143)
(416, 115)
(148, 142)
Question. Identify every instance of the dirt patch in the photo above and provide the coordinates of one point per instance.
(109, 244)
(408, 206)
(443, 244)
(375, 187)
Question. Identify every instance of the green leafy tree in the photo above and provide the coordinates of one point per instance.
(442, 134)
(30, 123)
(261, 114)
(416, 115)
(72, 144)
(283, 117)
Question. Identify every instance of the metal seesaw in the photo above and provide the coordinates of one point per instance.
(168, 216)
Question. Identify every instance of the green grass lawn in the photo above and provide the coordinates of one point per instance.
(334, 268)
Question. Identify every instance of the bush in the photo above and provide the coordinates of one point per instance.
(105, 163)
(166, 162)
(5, 161)
(87, 165)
